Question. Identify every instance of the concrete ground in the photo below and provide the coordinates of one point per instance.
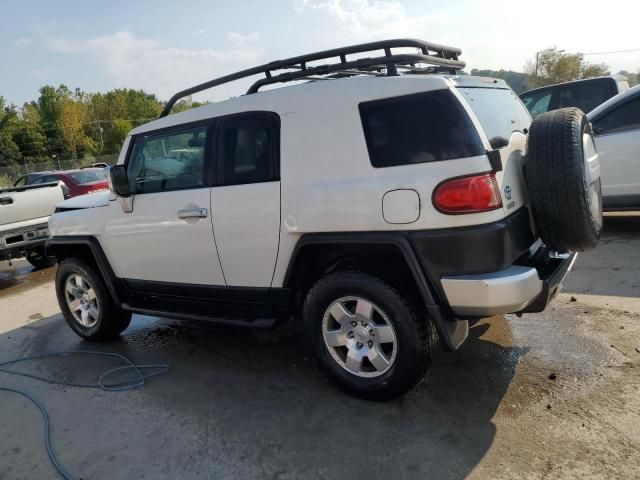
(551, 395)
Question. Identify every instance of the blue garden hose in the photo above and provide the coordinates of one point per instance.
(138, 381)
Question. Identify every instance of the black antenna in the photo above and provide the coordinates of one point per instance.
(429, 53)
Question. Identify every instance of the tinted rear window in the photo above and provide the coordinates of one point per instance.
(88, 176)
(500, 112)
(585, 95)
(420, 128)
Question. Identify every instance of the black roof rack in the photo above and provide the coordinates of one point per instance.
(429, 53)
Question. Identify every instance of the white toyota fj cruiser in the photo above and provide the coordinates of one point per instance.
(384, 200)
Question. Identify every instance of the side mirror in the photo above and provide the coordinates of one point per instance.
(119, 181)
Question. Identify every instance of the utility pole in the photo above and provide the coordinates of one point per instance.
(100, 130)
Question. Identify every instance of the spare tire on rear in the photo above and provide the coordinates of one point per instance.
(562, 173)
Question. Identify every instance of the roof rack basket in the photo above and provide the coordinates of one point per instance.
(440, 56)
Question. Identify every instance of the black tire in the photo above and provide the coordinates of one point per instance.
(111, 319)
(566, 208)
(39, 260)
(416, 337)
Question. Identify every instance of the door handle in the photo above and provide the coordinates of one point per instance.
(193, 213)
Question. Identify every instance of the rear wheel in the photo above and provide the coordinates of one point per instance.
(366, 337)
(85, 302)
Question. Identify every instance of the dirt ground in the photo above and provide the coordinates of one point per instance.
(550, 395)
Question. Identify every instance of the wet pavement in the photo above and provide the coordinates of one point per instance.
(551, 395)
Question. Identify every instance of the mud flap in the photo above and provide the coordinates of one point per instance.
(452, 331)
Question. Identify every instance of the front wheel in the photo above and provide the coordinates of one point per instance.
(367, 337)
(85, 302)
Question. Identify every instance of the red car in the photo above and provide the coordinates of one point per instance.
(74, 182)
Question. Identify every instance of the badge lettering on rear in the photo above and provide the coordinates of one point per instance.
(507, 195)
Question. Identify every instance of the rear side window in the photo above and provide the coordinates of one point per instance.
(500, 113)
(249, 150)
(420, 128)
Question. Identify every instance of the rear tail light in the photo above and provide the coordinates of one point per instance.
(473, 194)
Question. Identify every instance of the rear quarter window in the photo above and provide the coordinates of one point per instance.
(499, 111)
(419, 128)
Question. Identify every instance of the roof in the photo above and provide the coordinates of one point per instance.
(322, 94)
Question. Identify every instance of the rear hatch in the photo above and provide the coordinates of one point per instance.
(505, 122)
(28, 203)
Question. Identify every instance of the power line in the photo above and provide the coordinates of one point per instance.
(614, 51)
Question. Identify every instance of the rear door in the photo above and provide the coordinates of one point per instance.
(617, 139)
(505, 122)
(246, 198)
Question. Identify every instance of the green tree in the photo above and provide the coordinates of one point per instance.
(516, 80)
(116, 134)
(30, 113)
(31, 141)
(552, 66)
(8, 115)
(9, 151)
(49, 105)
(72, 123)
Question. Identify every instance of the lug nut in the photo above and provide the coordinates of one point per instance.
(353, 324)
(371, 332)
(370, 343)
(350, 334)
(359, 345)
(364, 324)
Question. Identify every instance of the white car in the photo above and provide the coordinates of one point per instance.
(382, 201)
(616, 126)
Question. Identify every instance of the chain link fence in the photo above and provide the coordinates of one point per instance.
(11, 173)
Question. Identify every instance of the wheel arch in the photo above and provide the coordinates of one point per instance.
(317, 254)
(88, 249)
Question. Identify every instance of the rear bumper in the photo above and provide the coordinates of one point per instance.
(516, 289)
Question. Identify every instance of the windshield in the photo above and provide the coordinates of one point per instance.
(88, 176)
(499, 111)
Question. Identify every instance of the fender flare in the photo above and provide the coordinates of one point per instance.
(55, 247)
(452, 331)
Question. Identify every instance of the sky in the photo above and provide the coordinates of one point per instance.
(165, 46)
